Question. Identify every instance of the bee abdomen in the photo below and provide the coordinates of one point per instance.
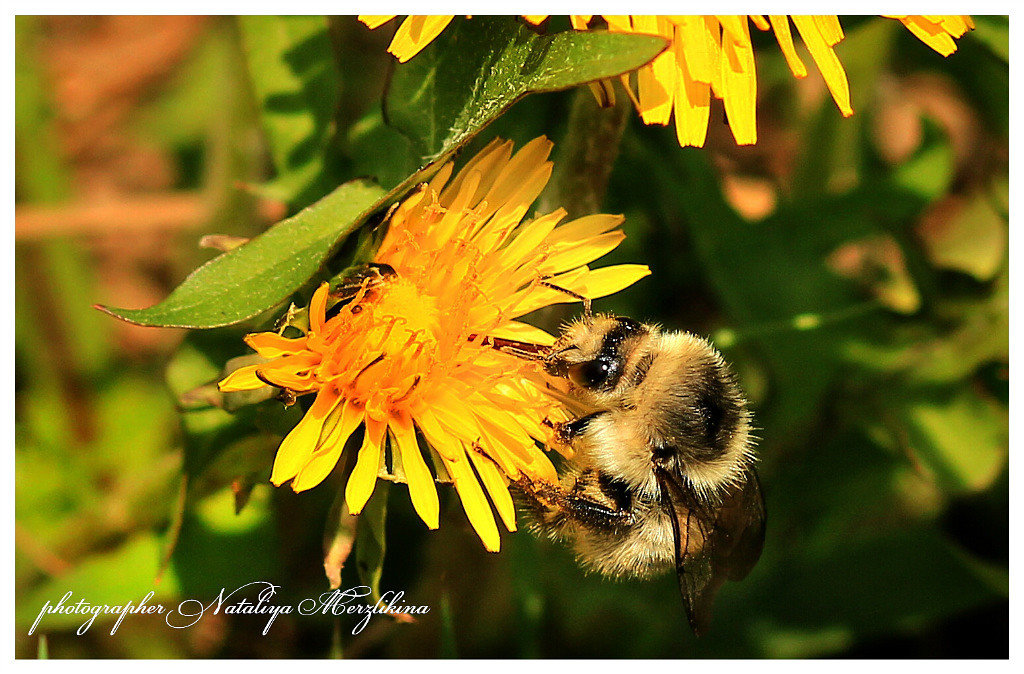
(710, 414)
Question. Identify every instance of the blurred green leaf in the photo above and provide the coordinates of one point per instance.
(849, 466)
(297, 86)
(76, 498)
(932, 355)
(219, 549)
(128, 572)
(476, 69)
(40, 175)
(832, 152)
(528, 599)
(972, 241)
(218, 514)
(993, 32)
(898, 581)
(263, 272)
(961, 438)
(370, 541)
(69, 278)
(929, 172)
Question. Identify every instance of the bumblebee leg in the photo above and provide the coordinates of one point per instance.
(587, 504)
(567, 431)
(594, 515)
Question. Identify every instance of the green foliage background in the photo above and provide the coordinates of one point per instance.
(881, 399)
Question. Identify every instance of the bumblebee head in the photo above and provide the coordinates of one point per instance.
(592, 354)
(681, 397)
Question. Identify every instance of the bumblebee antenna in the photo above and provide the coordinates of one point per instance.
(588, 316)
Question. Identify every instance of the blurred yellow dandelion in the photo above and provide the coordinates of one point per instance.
(710, 56)
(936, 31)
(404, 358)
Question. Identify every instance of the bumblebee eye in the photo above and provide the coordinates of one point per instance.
(592, 373)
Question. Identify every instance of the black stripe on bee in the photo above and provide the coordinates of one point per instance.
(710, 416)
(624, 328)
(617, 491)
(717, 408)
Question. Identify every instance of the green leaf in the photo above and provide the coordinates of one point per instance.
(929, 172)
(218, 548)
(480, 67)
(263, 272)
(962, 439)
(993, 32)
(899, 580)
(832, 155)
(126, 573)
(296, 83)
(370, 544)
(40, 172)
(972, 241)
(380, 150)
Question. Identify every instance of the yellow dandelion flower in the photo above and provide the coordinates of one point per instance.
(710, 56)
(936, 31)
(415, 32)
(713, 56)
(405, 357)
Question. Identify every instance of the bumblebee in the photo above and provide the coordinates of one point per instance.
(663, 469)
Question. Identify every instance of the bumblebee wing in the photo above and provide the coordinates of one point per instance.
(712, 547)
(739, 528)
(694, 571)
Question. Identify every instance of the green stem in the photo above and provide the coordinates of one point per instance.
(585, 155)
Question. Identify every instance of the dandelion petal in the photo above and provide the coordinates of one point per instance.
(326, 456)
(364, 475)
(421, 482)
(297, 446)
(415, 33)
(242, 379)
(827, 61)
(478, 510)
(496, 487)
(739, 81)
(609, 280)
(780, 26)
(272, 345)
(373, 21)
